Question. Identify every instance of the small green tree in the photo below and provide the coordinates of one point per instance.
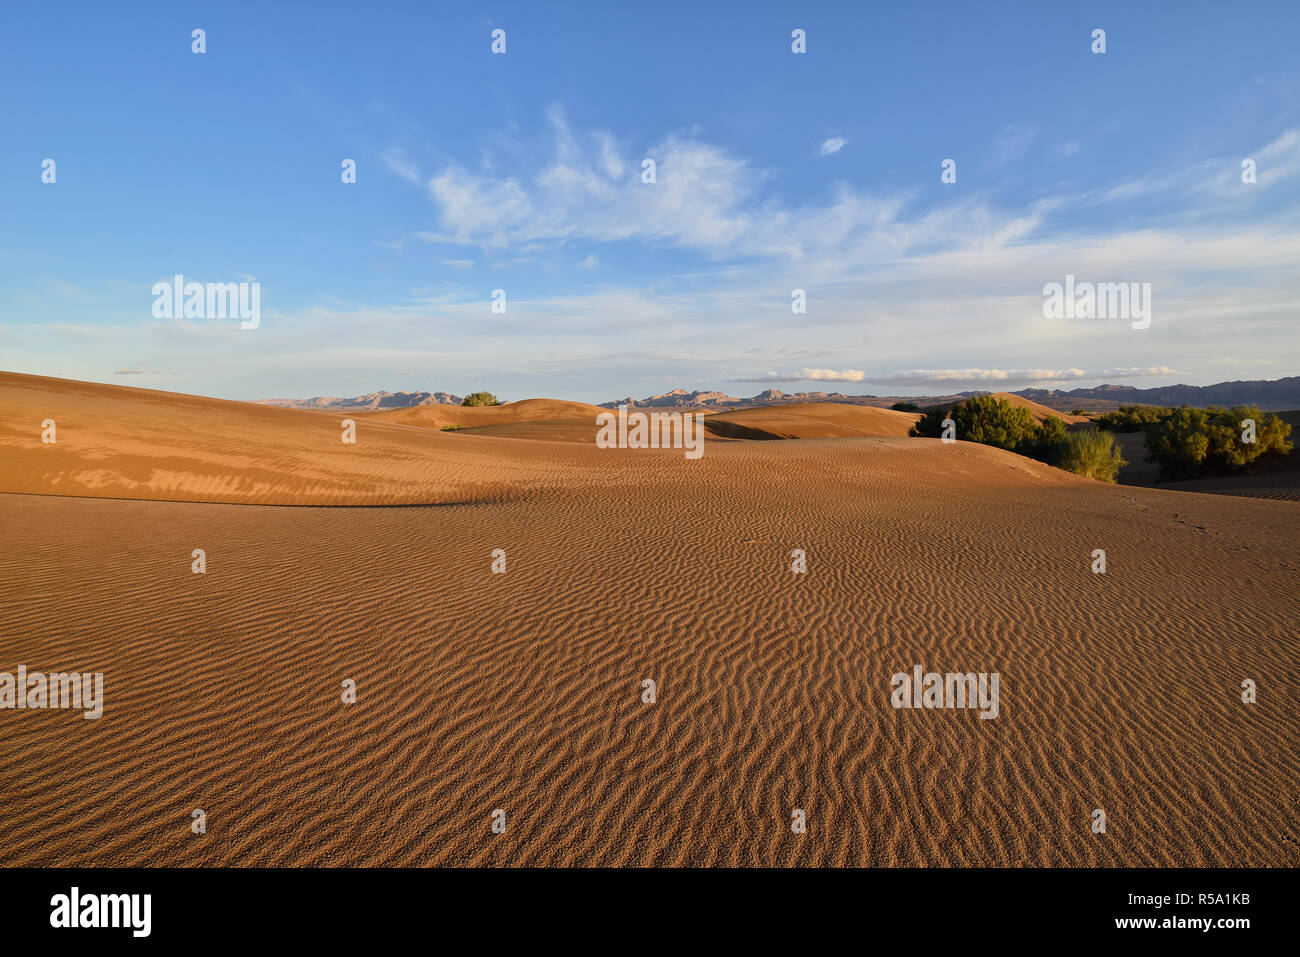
(1048, 442)
(480, 398)
(1132, 418)
(983, 419)
(1191, 440)
(1091, 453)
(1273, 434)
(1229, 447)
(930, 425)
(1178, 443)
(1051, 431)
(995, 422)
(905, 407)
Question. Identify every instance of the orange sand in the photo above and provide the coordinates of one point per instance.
(522, 691)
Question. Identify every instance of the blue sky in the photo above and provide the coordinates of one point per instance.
(775, 171)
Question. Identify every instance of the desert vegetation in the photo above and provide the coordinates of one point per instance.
(1090, 452)
(1186, 442)
(993, 421)
(1189, 441)
(1132, 418)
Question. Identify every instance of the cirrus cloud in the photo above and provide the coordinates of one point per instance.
(950, 377)
(810, 375)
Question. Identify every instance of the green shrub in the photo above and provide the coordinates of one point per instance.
(905, 407)
(1091, 453)
(1228, 447)
(1178, 443)
(1048, 443)
(1191, 440)
(997, 422)
(451, 428)
(1078, 412)
(930, 425)
(1132, 418)
(982, 419)
(480, 398)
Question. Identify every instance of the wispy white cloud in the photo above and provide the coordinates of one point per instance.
(809, 375)
(832, 145)
(949, 378)
(707, 200)
(902, 278)
(952, 377)
(398, 162)
(1010, 145)
(1276, 162)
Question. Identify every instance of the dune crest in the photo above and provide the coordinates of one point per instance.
(811, 420)
(121, 442)
(525, 410)
(1039, 411)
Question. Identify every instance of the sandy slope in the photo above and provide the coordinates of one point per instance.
(1038, 410)
(796, 421)
(522, 691)
(814, 420)
(527, 410)
(120, 442)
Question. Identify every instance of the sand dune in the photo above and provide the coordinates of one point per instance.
(1039, 411)
(814, 420)
(806, 421)
(120, 442)
(527, 410)
(522, 691)
(580, 431)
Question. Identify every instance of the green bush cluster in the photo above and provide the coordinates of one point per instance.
(1132, 418)
(1183, 442)
(1091, 453)
(1189, 440)
(982, 419)
(480, 398)
(1048, 442)
(997, 422)
(905, 407)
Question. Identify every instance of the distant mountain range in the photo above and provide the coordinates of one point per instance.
(369, 402)
(1275, 394)
(1267, 394)
(681, 399)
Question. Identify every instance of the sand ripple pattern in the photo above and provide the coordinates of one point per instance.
(522, 691)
